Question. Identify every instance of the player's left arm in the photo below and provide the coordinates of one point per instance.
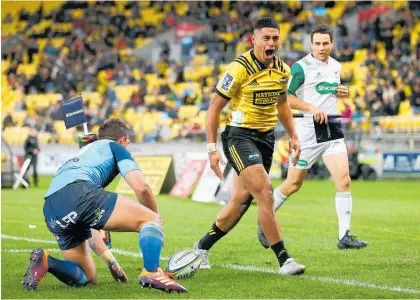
(285, 116)
(132, 174)
(143, 191)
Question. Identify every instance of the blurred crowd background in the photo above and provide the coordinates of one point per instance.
(155, 64)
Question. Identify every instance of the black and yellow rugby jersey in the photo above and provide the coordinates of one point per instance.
(253, 90)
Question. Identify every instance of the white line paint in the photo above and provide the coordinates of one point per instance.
(363, 284)
(324, 279)
(133, 254)
(229, 266)
(27, 250)
(17, 238)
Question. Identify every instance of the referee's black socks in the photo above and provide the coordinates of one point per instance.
(281, 252)
(211, 237)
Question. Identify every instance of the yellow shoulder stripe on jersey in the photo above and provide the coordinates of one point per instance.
(275, 62)
(247, 62)
(240, 62)
(278, 64)
(281, 65)
(244, 62)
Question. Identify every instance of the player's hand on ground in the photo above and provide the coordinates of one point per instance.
(342, 91)
(117, 272)
(294, 150)
(320, 116)
(215, 157)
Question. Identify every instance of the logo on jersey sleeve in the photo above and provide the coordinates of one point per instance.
(325, 88)
(227, 82)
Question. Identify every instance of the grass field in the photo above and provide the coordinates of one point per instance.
(386, 214)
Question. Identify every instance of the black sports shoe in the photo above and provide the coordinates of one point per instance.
(350, 242)
(262, 238)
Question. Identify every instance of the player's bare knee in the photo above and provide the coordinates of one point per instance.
(153, 217)
(266, 210)
(266, 197)
(344, 184)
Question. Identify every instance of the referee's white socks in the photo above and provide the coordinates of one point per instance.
(343, 206)
(279, 199)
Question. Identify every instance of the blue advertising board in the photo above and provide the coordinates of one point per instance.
(73, 112)
(401, 162)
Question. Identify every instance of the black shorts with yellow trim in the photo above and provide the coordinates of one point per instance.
(245, 147)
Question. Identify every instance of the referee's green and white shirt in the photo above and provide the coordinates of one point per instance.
(314, 82)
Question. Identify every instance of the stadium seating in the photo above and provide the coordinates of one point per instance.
(200, 74)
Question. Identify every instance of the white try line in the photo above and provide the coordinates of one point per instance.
(227, 266)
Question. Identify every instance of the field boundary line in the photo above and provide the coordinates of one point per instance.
(228, 266)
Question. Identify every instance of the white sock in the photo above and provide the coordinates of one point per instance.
(279, 199)
(343, 206)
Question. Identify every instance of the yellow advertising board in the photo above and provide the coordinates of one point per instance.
(154, 169)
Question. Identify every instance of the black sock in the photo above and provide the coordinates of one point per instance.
(211, 237)
(281, 252)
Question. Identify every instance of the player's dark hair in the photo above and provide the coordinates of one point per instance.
(323, 29)
(266, 22)
(113, 129)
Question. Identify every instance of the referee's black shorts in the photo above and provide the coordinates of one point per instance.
(245, 147)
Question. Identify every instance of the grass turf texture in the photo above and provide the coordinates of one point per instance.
(384, 213)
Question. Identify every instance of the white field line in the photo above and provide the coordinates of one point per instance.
(228, 266)
(325, 279)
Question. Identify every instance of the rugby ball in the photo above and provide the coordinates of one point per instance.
(184, 264)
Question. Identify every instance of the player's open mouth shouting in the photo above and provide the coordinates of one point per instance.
(269, 53)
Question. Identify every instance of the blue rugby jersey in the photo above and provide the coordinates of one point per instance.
(99, 163)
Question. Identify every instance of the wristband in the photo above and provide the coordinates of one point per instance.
(108, 258)
(211, 147)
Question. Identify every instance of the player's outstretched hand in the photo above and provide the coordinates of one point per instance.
(117, 272)
(320, 116)
(294, 149)
(342, 91)
(215, 157)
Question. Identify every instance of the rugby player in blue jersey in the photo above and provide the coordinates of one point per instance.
(76, 202)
